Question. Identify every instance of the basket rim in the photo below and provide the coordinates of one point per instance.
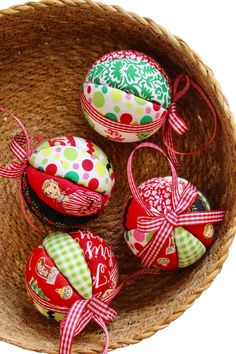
(206, 72)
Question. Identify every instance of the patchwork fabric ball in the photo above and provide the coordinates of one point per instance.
(67, 181)
(68, 268)
(72, 278)
(167, 222)
(126, 96)
(185, 245)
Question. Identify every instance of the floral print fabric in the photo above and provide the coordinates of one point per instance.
(137, 77)
(129, 88)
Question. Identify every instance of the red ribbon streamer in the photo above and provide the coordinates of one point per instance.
(175, 123)
(83, 311)
(164, 224)
(170, 122)
(22, 146)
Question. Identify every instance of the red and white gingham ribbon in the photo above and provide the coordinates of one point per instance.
(83, 311)
(22, 147)
(169, 122)
(176, 123)
(80, 314)
(164, 224)
(16, 169)
(87, 203)
(121, 127)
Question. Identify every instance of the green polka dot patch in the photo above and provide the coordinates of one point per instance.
(121, 106)
(77, 165)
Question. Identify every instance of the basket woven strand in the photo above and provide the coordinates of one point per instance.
(46, 49)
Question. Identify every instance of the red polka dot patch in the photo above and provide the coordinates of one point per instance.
(73, 162)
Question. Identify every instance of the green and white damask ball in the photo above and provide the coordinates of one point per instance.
(126, 96)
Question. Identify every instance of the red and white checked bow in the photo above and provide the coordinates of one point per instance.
(83, 311)
(176, 123)
(80, 314)
(22, 147)
(77, 318)
(164, 224)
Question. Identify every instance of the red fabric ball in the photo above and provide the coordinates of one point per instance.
(126, 96)
(68, 267)
(185, 245)
(67, 177)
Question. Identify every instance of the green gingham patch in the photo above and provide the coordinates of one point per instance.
(189, 248)
(69, 259)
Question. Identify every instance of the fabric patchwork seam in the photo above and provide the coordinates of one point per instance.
(69, 258)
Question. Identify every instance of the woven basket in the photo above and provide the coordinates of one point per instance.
(46, 49)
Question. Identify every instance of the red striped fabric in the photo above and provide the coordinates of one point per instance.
(83, 203)
(69, 324)
(164, 224)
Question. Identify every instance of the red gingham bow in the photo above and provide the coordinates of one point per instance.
(164, 224)
(83, 311)
(176, 123)
(80, 314)
(22, 147)
(77, 317)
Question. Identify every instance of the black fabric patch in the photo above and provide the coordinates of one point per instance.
(46, 214)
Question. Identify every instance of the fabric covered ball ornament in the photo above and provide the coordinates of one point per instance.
(65, 181)
(68, 180)
(168, 223)
(72, 277)
(126, 96)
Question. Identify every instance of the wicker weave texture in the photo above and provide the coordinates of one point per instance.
(46, 49)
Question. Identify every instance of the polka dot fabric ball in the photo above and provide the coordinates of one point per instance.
(126, 95)
(68, 267)
(185, 245)
(68, 180)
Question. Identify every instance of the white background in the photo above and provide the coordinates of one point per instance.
(209, 27)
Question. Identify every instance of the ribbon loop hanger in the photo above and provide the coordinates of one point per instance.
(175, 122)
(22, 146)
(164, 224)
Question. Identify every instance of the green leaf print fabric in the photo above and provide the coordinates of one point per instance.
(137, 77)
